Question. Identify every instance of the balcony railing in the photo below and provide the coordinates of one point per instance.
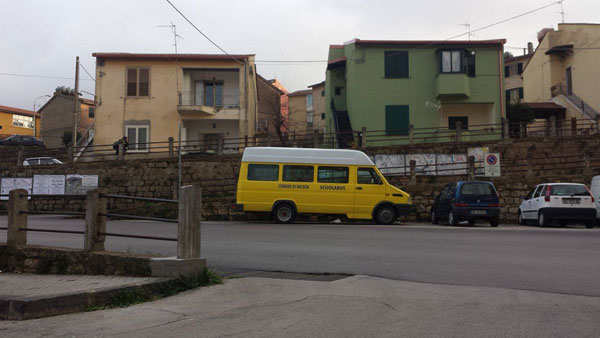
(215, 101)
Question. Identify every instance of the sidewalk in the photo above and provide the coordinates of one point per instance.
(358, 306)
(25, 296)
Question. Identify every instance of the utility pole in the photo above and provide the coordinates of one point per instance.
(75, 108)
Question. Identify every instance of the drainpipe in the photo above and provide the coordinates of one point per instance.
(245, 97)
(501, 83)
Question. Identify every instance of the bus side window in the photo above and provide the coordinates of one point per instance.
(298, 173)
(368, 176)
(263, 172)
(333, 174)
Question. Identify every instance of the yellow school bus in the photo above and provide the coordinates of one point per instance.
(290, 181)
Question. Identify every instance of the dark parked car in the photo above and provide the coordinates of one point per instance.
(21, 140)
(467, 201)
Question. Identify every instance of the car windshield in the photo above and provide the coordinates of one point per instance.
(477, 189)
(569, 190)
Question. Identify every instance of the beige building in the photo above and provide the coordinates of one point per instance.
(318, 97)
(301, 110)
(513, 70)
(564, 69)
(147, 96)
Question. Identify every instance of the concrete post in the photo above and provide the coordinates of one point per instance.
(413, 171)
(363, 137)
(94, 222)
(70, 154)
(573, 126)
(552, 126)
(598, 124)
(20, 156)
(245, 141)
(317, 139)
(268, 140)
(458, 130)
(17, 204)
(190, 217)
(523, 130)
(171, 146)
(121, 155)
(471, 167)
(411, 133)
(505, 128)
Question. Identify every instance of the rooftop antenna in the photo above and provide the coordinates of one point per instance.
(562, 10)
(468, 27)
(175, 35)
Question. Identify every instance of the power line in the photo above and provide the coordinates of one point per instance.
(199, 31)
(41, 76)
(88, 73)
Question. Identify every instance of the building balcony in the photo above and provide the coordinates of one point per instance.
(452, 85)
(194, 104)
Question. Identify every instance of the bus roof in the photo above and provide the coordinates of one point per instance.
(306, 155)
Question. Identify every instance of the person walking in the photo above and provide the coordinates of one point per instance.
(125, 145)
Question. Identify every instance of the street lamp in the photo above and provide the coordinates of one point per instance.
(37, 98)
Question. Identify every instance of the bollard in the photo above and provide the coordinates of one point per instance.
(363, 137)
(95, 222)
(552, 126)
(20, 156)
(471, 167)
(505, 128)
(458, 130)
(411, 133)
(17, 218)
(413, 171)
(121, 155)
(190, 217)
(171, 146)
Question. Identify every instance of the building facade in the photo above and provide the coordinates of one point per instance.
(301, 112)
(146, 97)
(564, 69)
(318, 97)
(387, 86)
(57, 117)
(17, 121)
(270, 118)
(513, 79)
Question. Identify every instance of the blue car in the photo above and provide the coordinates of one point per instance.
(467, 201)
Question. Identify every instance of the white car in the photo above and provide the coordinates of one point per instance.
(41, 161)
(558, 202)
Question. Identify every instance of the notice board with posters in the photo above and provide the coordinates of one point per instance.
(11, 183)
(80, 184)
(49, 184)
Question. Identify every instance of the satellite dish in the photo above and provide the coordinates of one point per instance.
(430, 104)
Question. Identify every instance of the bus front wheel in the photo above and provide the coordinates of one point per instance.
(385, 214)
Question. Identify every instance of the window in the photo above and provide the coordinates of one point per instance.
(309, 117)
(396, 120)
(519, 68)
(263, 172)
(367, 176)
(464, 122)
(91, 112)
(338, 90)
(451, 61)
(298, 173)
(569, 190)
(322, 118)
(137, 137)
(520, 92)
(322, 93)
(213, 94)
(333, 175)
(309, 102)
(138, 81)
(506, 71)
(514, 95)
(539, 190)
(396, 64)
(477, 189)
(23, 121)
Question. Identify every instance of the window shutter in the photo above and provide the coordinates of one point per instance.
(507, 94)
(144, 82)
(396, 64)
(506, 71)
(519, 68)
(471, 65)
(131, 82)
(396, 120)
(521, 92)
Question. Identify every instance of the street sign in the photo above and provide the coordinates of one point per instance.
(492, 165)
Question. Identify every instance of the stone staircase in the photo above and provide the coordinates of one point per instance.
(585, 108)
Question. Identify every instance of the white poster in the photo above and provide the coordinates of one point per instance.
(11, 183)
(80, 184)
(425, 163)
(479, 154)
(451, 164)
(48, 184)
(390, 164)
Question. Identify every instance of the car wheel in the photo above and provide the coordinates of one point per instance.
(521, 219)
(542, 219)
(385, 214)
(452, 219)
(590, 224)
(284, 213)
(434, 219)
(494, 222)
(471, 222)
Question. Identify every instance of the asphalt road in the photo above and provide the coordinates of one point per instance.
(554, 260)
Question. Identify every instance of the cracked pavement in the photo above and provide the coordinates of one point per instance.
(358, 306)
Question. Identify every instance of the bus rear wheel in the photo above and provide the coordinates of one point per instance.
(284, 213)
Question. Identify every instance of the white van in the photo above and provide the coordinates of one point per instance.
(595, 188)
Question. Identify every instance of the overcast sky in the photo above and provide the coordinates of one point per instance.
(43, 37)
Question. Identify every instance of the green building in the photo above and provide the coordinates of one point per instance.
(429, 86)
